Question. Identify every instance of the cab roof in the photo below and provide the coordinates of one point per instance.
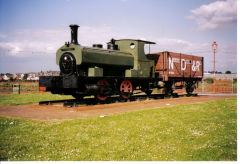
(147, 42)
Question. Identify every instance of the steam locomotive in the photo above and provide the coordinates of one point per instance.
(120, 69)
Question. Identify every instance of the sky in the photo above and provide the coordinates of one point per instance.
(32, 31)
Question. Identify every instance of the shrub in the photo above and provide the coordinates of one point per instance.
(228, 72)
(235, 80)
(208, 80)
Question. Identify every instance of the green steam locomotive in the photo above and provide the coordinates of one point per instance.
(120, 69)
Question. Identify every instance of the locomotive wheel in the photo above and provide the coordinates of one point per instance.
(169, 88)
(126, 89)
(103, 84)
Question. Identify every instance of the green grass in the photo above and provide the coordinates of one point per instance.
(25, 99)
(196, 132)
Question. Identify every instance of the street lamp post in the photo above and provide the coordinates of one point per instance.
(214, 47)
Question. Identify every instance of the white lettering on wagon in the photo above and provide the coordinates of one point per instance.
(195, 64)
(171, 61)
(183, 65)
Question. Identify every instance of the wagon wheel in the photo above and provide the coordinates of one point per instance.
(169, 88)
(126, 89)
(190, 88)
(101, 95)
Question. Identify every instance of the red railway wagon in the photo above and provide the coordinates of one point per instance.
(178, 70)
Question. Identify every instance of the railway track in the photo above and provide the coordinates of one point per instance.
(94, 101)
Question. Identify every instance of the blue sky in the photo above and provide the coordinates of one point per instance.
(32, 31)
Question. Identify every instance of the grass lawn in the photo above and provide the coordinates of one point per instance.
(196, 132)
(25, 99)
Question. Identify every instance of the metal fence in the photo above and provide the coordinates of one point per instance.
(226, 86)
(18, 87)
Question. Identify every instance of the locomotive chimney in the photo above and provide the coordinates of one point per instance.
(74, 34)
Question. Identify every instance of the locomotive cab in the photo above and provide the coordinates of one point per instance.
(143, 67)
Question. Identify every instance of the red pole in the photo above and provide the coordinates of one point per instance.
(214, 89)
(214, 46)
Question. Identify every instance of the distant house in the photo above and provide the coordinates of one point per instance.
(32, 77)
(20, 76)
(5, 78)
(14, 76)
(35, 78)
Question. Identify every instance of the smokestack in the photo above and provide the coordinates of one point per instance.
(74, 34)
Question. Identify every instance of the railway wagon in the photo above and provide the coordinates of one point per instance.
(178, 70)
(120, 69)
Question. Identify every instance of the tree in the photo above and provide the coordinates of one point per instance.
(209, 80)
(25, 76)
(228, 72)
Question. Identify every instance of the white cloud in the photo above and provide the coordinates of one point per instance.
(219, 14)
(173, 44)
(29, 42)
(46, 42)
